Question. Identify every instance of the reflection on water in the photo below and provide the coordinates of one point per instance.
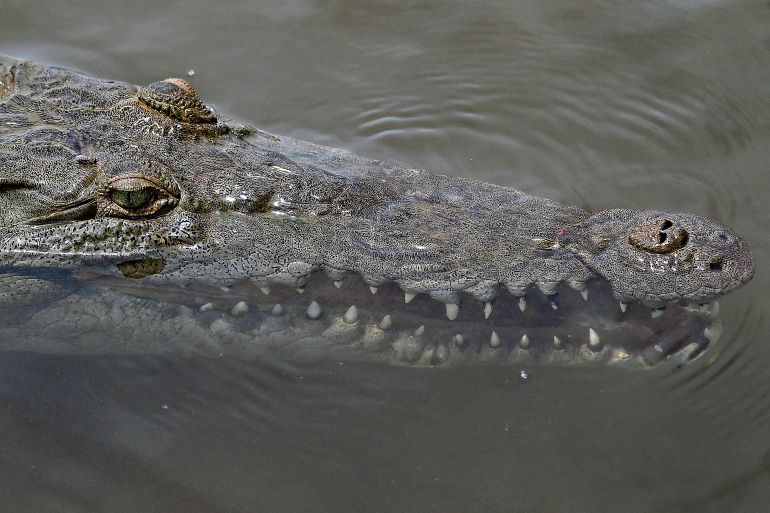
(645, 105)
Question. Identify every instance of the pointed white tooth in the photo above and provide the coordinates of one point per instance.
(584, 293)
(623, 307)
(494, 340)
(206, 307)
(657, 312)
(239, 308)
(351, 315)
(442, 353)
(594, 342)
(710, 307)
(265, 290)
(458, 340)
(313, 310)
(452, 310)
(373, 289)
(428, 353)
(557, 343)
(487, 309)
(386, 323)
(554, 305)
(419, 331)
(277, 310)
(524, 342)
(300, 289)
(408, 296)
(338, 283)
(522, 303)
(224, 289)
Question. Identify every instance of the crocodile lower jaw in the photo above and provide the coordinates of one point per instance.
(350, 320)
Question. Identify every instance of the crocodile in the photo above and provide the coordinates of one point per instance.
(138, 219)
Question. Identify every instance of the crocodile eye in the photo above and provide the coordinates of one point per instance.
(134, 200)
(134, 196)
(659, 236)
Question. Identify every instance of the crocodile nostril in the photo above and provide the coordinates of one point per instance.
(715, 266)
(659, 236)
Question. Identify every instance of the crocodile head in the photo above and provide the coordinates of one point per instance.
(136, 214)
(658, 257)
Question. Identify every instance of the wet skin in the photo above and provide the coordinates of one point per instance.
(185, 231)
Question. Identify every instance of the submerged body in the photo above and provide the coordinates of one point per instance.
(127, 212)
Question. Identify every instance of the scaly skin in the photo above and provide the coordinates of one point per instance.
(107, 183)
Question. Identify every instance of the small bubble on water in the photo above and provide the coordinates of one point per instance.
(524, 374)
(190, 72)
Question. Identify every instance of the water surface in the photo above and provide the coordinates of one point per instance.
(659, 104)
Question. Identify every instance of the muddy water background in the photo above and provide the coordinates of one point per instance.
(600, 104)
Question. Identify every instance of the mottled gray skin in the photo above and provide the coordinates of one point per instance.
(98, 180)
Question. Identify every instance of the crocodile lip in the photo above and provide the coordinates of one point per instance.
(349, 322)
(79, 210)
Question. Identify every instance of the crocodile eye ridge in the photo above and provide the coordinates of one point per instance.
(177, 99)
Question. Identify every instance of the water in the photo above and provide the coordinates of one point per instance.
(647, 105)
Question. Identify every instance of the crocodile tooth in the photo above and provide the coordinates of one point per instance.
(419, 331)
(657, 312)
(265, 290)
(711, 334)
(594, 342)
(557, 343)
(711, 307)
(313, 310)
(224, 289)
(239, 308)
(524, 342)
(338, 283)
(554, 300)
(386, 323)
(277, 310)
(206, 307)
(373, 289)
(494, 340)
(452, 309)
(458, 340)
(408, 296)
(220, 327)
(522, 303)
(351, 315)
(584, 293)
(300, 289)
(487, 309)
(442, 353)
(427, 354)
(623, 307)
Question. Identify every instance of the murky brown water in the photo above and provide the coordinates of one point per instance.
(601, 104)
